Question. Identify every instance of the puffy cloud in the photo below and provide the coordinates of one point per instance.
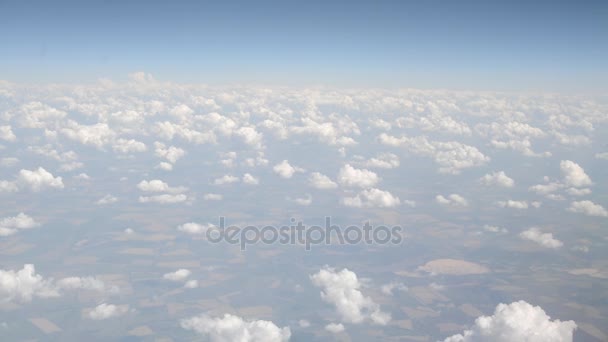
(544, 239)
(388, 289)
(335, 328)
(452, 157)
(578, 192)
(494, 229)
(343, 290)
(179, 275)
(230, 328)
(171, 153)
(372, 198)
(497, 178)
(105, 311)
(6, 133)
(128, 146)
(11, 225)
(453, 200)
(191, 284)
(321, 181)
(249, 179)
(212, 197)
(96, 135)
(574, 174)
(518, 321)
(107, 199)
(588, 208)
(38, 179)
(513, 204)
(226, 179)
(163, 199)
(351, 177)
(157, 185)
(285, 170)
(194, 228)
(23, 285)
(38, 115)
(383, 161)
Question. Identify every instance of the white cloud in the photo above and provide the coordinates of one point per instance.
(179, 275)
(212, 197)
(578, 192)
(588, 208)
(335, 328)
(544, 239)
(11, 225)
(383, 161)
(513, 204)
(452, 157)
(574, 174)
(249, 179)
(6, 133)
(191, 284)
(371, 198)
(321, 181)
(343, 290)
(163, 199)
(129, 146)
(24, 285)
(157, 185)
(105, 311)
(494, 229)
(194, 228)
(285, 170)
(518, 321)
(234, 328)
(38, 180)
(352, 177)
(226, 179)
(388, 289)
(164, 166)
(305, 201)
(453, 200)
(107, 199)
(171, 153)
(498, 178)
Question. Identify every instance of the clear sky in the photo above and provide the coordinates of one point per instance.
(548, 45)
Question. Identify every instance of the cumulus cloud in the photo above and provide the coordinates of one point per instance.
(452, 157)
(372, 198)
(171, 153)
(226, 179)
(6, 133)
(383, 161)
(107, 199)
(285, 170)
(513, 204)
(518, 321)
(343, 290)
(588, 208)
(574, 175)
(164, 199)
(497, 178)
(352, 177)
(194, 228)
(106, 311)
(249, 179)
(321, 181)
(388, 289)
(335, 328)
(129, 146)
(179, 275)
(453, 200)
(157, 185)
(11, 225)
(234, 328)
(544, 239)
(24, 285)
(37, 180)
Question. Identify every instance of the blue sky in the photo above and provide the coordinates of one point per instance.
(428, 44)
